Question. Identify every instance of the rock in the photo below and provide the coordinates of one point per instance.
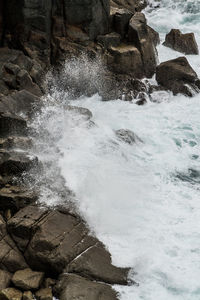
(12, 125)
(15, 142)
(72, 286)
(15, 197)
(5, 278)
(10, 294)
(10, 257)
(109, 40)
(22, 225)
(178, 76)
(154, 36)
(134, 5)
(15, 163)
(92, 15)
(27, 279)
(184, 43)
(28, 296)
(125, 59)
(49, 282)
(120, 20)
(95, 263)
(84, 112)
(50, 240)
(127, 136)
(22, 102)
(44, 294)
(139, 35)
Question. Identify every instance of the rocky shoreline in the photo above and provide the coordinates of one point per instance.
(46, 251)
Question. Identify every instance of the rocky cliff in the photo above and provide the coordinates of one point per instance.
(47, 251)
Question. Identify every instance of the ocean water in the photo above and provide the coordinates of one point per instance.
(142, 200)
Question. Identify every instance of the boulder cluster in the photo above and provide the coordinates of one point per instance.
(47, 252)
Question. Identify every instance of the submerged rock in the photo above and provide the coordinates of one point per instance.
(127, 136)
(178, 76)
(72, 286)
(27, 279)
(184, 43)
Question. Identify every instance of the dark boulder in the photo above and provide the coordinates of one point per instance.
(10, 124)
(178, 76)
(184, 43)
(139, 35)
(120, 18)
(127, 136)
(71, 286)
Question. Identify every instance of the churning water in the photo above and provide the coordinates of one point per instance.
(142, 200)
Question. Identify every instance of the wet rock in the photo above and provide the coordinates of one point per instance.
(15, 142)
(184, 43)
(95, 263)
(44, 294)
(51, 240)
(15, 197)
(109, 40)
(5, 278)
(27, 279)
(138, 34)
(120, 20)
(22, 102)
(10, 257)
(22, 225)
(10, 124)
(178, 76)
(15, 163)
(84, 112)
(10, 294)
(127, 136)
(28, 296)
(72, 286)
(125, 59)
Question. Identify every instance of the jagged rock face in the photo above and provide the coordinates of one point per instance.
(139, 35)
(93, 13)
(27, 279)
(184, 43)
(5, 279)
(178, 76)
(10, 294)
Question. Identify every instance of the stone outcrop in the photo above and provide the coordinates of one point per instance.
(139, 35)
(72, 286)
(27, 279)
(132, 5)
(184, 43)
(178, 76)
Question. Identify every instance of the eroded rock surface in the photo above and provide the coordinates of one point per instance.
(185, 43)
(178, 76)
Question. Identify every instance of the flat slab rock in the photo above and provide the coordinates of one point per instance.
(27, 279)
(53, 241)
(72, 286)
